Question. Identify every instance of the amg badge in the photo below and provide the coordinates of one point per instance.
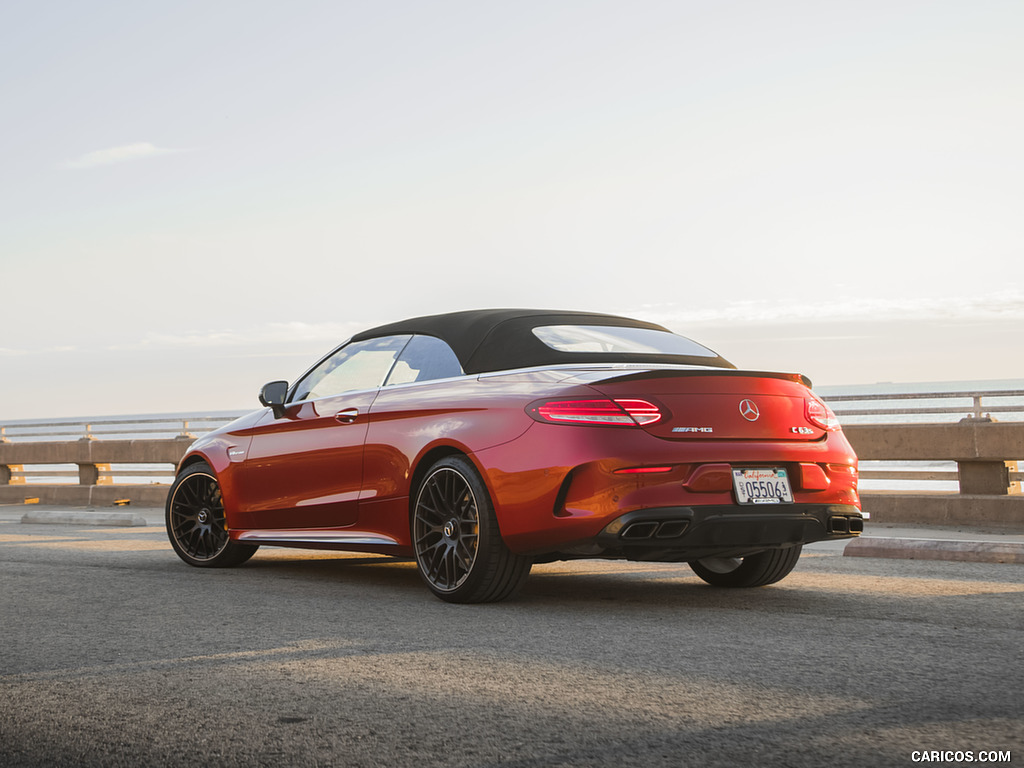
(706, 430)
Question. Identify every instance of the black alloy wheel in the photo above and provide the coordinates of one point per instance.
(196, 523)
(459, 550)
(756, 570)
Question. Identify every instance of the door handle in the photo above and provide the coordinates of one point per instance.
(347, 416)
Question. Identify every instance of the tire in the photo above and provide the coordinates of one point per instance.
(766, 567)
(459, 550)
(196, 524)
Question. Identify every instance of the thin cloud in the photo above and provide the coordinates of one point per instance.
(271, 339)
(277, 335)
(10, 352)
(1000, 306)
(115, 155)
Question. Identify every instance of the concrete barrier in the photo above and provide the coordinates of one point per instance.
(85, 495)
(93, 459)
(927, 508)
(91, 517)
(986, 454)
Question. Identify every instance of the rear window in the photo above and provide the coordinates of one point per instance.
(424, 358)
(618, 340)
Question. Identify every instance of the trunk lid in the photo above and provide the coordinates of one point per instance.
(725, 405)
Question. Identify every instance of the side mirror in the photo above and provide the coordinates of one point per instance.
(273, 395)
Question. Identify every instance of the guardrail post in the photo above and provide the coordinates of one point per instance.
(7, 476)
(987, 477)
(94, 474)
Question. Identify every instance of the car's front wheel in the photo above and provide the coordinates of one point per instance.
(196, 522)
(459, 550)
(752, 571)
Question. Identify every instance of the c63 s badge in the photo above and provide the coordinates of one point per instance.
(704, 430)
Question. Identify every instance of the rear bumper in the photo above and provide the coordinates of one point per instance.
(558, 489)
(678, 534)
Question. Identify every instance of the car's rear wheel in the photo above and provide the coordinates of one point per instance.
(752, 571)
(459, 550)
(196, 522)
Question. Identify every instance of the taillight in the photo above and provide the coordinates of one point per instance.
(642, 470)
(623, 413)
(820, 415)
(643, 412)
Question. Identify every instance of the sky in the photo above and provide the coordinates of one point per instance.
(199, 197)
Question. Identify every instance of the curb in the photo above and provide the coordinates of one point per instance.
(937, 549)
(119, 519)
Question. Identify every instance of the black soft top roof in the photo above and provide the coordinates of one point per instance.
(501, 339)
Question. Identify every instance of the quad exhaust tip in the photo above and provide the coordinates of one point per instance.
(844, 524)
(648, 529)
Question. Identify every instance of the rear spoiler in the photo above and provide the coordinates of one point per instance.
(661, 372)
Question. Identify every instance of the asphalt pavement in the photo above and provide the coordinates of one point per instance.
(115, 653)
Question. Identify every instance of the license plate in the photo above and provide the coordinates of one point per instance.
(762, 486)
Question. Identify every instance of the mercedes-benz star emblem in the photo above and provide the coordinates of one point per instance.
(748, 410)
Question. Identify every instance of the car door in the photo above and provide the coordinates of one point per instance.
(304, 468)
(405, 416)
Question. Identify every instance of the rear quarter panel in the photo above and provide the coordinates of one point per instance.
(410, 425)
(407, 422)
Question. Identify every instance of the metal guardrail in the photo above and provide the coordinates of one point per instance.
(94, 429)
(193, 425)
(977, 410)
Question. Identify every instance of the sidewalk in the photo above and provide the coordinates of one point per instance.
(984, 544)
(981, 544)
(43, 514)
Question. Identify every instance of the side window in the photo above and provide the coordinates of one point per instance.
(425, 358)
(359, 365)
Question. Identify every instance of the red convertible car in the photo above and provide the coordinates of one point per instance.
(482, 442)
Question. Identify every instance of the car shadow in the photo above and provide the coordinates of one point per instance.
(635, 588)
